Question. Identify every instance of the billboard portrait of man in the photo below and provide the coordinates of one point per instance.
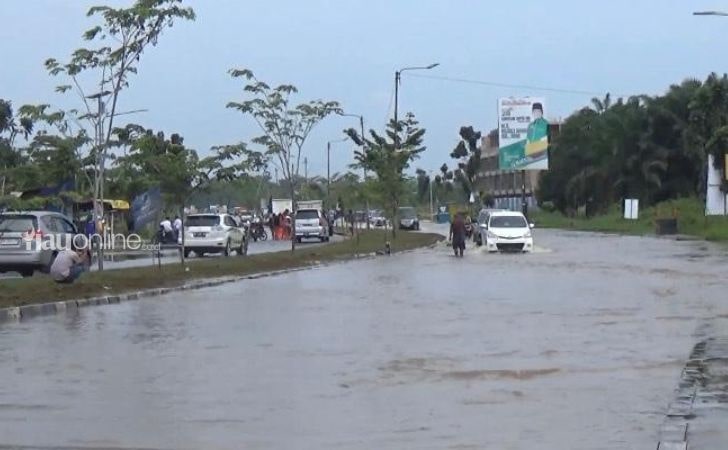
(537, 139)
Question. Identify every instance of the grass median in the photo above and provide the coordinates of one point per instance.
(42, 289)
(690, 214)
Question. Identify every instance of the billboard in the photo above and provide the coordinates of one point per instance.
(523, 134)
(145, 208)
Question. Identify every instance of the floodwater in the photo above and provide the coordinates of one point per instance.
(577, 346)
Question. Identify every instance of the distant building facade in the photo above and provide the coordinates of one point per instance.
(504, 187)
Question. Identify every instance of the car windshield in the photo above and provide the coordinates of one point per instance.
(407, 213)
(203, 221)
(508, 222)
(17, 223)
(307, 214)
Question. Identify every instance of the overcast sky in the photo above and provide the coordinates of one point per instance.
(348, 50)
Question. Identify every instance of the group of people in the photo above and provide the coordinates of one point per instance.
(170, 230)
(281, 226)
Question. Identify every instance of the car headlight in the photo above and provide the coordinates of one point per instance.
(491, 235)
(527, 235)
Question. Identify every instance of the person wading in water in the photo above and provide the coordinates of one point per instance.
(457, 235)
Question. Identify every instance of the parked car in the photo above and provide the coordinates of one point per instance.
(408, 219)
(19, 233)
(213, 233)
(377, 219)
(481, 224)
(311, 223)
(508, 231)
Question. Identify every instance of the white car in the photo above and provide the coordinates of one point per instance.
(213, 233)
(507, 231)
(310, 223)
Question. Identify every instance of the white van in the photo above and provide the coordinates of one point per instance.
(310, 223)
(508, 231)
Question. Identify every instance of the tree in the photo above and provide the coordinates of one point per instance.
(285, 128)
(387, 161)
(10, 127)
(467, 154)
(708, 128)
(178, 170)
(122, 37)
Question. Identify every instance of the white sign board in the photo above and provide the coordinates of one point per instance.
(631, 208)
(715, 199)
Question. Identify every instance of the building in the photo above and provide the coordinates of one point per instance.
(504, 187)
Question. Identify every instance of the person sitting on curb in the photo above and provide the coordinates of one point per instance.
(69, 264)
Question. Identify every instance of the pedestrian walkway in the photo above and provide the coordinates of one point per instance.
(698, 416)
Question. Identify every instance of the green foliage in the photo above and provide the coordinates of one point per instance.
(285, 127)
(650, 148)
(467, 156)
(388, 161)
(153, 160)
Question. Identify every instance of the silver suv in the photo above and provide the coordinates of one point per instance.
(20, 234)
(214, 233)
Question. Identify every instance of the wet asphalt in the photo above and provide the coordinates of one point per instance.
(579, 345)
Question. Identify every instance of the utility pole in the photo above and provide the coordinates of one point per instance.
(432, 211)
(305, 169)
(328, 173)
(524, 205)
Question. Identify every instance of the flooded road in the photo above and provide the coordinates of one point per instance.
(577, 346)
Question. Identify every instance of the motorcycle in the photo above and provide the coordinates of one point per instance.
(469, 230)
(165, 237)
(257, 232)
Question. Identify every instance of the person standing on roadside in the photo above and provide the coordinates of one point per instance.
(457, 235)
(177, 225)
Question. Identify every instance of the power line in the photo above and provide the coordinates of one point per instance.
(512, 86)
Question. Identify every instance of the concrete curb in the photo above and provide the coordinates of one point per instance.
(19, 313)
(675, 427)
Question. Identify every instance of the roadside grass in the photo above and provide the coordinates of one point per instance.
(42, 289)
(690, 213)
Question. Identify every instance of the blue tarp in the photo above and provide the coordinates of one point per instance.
(145, 208)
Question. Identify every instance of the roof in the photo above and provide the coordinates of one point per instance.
(503, 213)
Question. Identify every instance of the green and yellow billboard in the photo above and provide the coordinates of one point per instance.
(523, 134)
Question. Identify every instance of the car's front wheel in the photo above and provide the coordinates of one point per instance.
(26, 273)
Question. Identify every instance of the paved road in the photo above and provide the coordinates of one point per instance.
(577, 346)
(171, 257)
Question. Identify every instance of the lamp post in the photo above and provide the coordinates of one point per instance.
(397, 79)
(363, 146)
(328, 169)
(432, 211)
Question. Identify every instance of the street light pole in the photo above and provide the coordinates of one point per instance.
(328, 170)
(432, 211)
(328, 173)
(397, 79)
(363, 145)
